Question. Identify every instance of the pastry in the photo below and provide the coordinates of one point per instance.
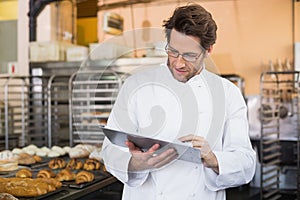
(6, 196)
(24, 173)
(27, 187)
(7, 155)
(8, 166)
(41, 153)
(45, 173)
(59, 150)
(91, 164)
(17, 151)
(83, 177)
(26, 159)
(51, 181)
(8, 161)
(53, 154)
(74, 164)
(30, 150)
(37, 158)
(67, 149)
(32, 147)
(45, 149)
(78, 153)
(65, 175)
(81, 151)
(56, 163)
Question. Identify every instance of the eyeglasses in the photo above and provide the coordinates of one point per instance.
(189, 57)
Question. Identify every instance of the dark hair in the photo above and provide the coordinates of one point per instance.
(193, 20)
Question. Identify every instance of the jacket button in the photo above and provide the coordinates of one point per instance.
(192, 194)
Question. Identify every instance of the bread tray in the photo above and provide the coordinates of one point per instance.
(62, 191)
(99, 176)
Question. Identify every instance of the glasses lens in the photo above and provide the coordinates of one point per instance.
(189, 58)
(172, 53)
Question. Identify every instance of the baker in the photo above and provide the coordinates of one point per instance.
(181, 100)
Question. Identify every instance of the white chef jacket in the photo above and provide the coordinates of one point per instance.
(180, 180)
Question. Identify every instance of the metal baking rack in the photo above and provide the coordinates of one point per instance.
(33, 110)
(92, 95)
(58, 110)
(277, 89)
(24, 117)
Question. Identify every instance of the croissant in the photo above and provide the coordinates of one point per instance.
(45, 173)
(74, 164)
(24, 173)
(91, 164)
(57, 163)
(83, 177)
(65, 175)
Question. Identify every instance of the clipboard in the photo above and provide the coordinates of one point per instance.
(186, 153)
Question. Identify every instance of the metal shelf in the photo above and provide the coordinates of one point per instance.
(91, 95)
(276, 89)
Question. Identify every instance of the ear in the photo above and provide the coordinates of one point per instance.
(209, 50)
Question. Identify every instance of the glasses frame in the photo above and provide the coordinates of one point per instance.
(183, 55)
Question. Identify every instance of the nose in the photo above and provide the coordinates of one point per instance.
(180, 62)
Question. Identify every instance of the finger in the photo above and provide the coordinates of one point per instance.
(186, 138)
(163, 155)
(198, 143)
(166, 160)
(154, 148)
(132, 146)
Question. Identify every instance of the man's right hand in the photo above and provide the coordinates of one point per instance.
(149, 160)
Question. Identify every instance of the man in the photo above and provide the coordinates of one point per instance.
(182, 101)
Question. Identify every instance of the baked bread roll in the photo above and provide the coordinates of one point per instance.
(67, 149)
(8, 161)
(37, 158)
(26, 159)
(65, 175)
(24, 173)
(17, 151)
(56, 163)
(91, 164)
(8, 166)
(84, 177)
(51, 181)
(53, 154)
(81, 151)
(27, 187)
(74, 164)
(6, 196)
(45, 149)
(7, 155)
(59, 150)
(41, 153)
(29, 151)
(78, 153)
(45, 173)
